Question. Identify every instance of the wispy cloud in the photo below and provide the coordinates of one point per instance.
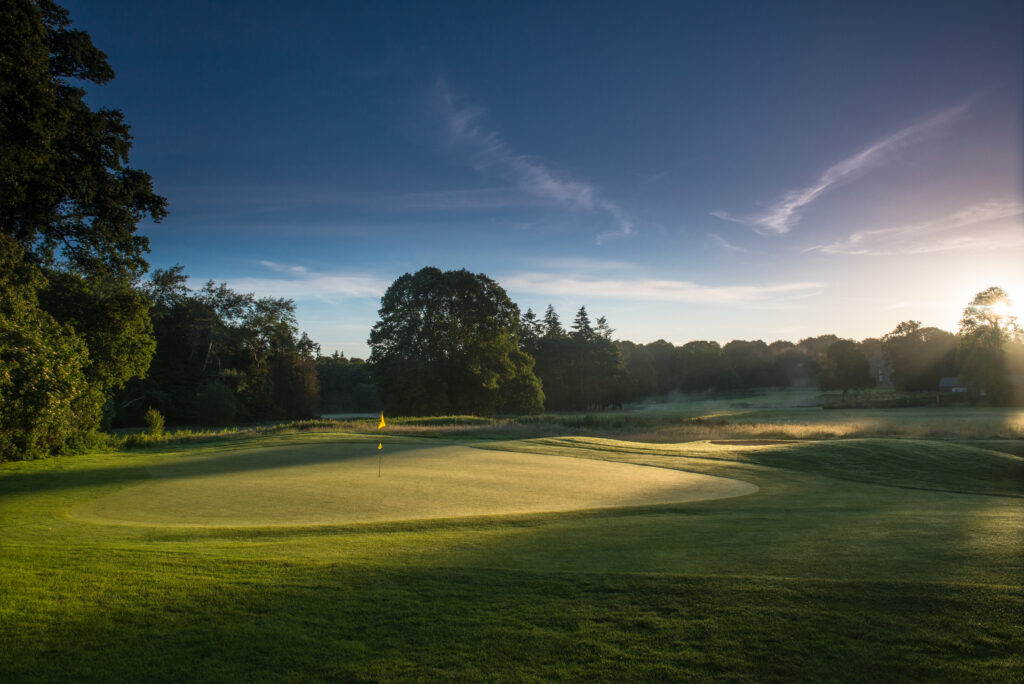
(459, 200)
(649, 289)
(992, 226)
(491, 156)
(285, 268)
(297, 282)
(725, 244)
(783, 214)
(585, 264)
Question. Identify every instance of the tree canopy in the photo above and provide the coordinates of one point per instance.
(986, 329)
(447, 343)
(919, 356)
(70, 204)
(69, 194)
(221, 357)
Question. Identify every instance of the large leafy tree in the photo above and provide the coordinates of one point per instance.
(919, 356)
(986, 329)
(846, 367)
(69, 207)
(69, 195)
(447, 342)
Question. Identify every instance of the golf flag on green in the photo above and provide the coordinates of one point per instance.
(382, 424)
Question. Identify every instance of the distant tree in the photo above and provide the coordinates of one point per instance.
(552, 324)
(447, 342)
(216, 404)
(166, 288)
(346, 385)
(816, 351)
(751, 363)
(552, 351)
(581, 328)
(666, 362)
(704, 367)
(986, 328)
(228, 341)
(919, 356)
(531, 329)
(792, 365)
(596, 372)
(846, 368)
(640, 377)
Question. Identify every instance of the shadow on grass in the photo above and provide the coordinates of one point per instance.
(357, 624)
(225, 458)
(815, 578)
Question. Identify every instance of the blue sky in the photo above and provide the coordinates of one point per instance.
(732, 170)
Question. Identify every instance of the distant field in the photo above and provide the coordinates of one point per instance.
(865, 559)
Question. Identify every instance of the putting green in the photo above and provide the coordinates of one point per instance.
(338, 483)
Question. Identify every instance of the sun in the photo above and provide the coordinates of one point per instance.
(1000, 309)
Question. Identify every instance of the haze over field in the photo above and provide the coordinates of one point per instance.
(691, 172)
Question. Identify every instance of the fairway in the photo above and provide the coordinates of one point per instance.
(338, 483)
(286, 558)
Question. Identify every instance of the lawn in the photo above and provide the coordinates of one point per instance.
(854, 559)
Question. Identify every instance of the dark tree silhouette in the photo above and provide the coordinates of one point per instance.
(447, 342)
(986, 328)
(69, 207)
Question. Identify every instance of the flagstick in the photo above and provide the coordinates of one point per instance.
(380, 445)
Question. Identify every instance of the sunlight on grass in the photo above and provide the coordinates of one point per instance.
(828, 564)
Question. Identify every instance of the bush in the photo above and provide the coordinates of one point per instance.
(154, 422)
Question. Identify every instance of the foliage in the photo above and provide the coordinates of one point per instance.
(579, 369)
(346, 385)
(986, 328)
(154, 422)
(216, 404)
(68, 192)
(919, 356)
(71, 203)
(216, 337)
(447, 342)
(46, 400)
(112, 318)
(847, 367)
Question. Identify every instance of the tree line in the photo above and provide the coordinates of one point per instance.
(225, 357)
(447, 341)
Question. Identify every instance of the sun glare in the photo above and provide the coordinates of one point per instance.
(1000, 309)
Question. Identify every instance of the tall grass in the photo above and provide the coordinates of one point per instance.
(643, 426)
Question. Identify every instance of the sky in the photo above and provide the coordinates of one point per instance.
(691, 171)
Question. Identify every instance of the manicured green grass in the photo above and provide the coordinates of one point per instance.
(855, 560)
(347, 482)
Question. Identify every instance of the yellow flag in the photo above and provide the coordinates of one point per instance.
(380, 445)
(382, 423)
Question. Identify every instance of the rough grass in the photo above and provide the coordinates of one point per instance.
(834, 570)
